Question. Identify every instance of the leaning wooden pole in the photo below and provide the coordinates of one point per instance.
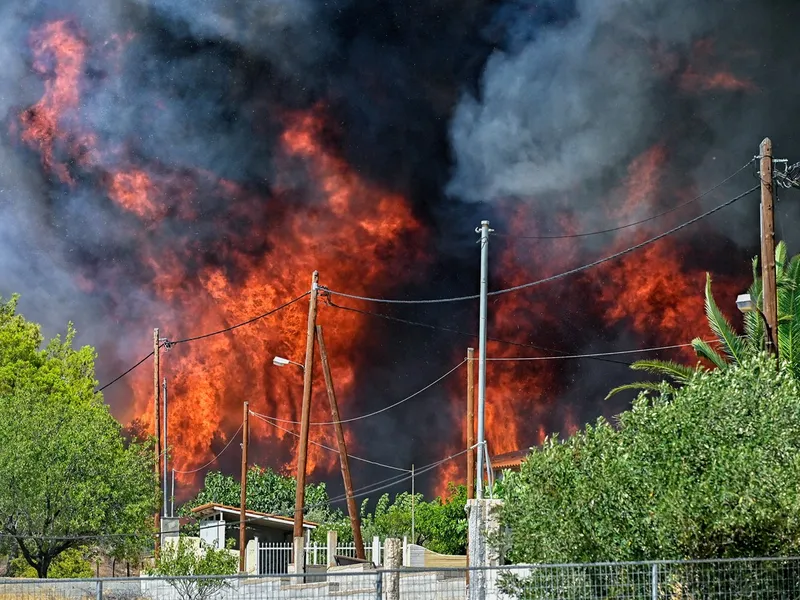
(352, 507)
(243, 493)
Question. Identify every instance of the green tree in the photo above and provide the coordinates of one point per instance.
(66, 472)
(182, 559)
(267, 491)
(440, 525)
(732, 347)
(708, 470)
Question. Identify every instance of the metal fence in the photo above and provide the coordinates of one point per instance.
(749, 579)
(275, 557)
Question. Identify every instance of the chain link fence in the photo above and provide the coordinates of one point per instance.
(748, 579)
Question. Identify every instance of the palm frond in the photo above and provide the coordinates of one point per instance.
(676, 371)
(704, 350)
(753, 323)
(789, 316)
(640, 386)
(732, 344)
(780, 259)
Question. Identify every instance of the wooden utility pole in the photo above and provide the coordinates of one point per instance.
(470, 425)
(243, 493)
(768, 277)
(352, 508)
(157, 427)
(302, 453)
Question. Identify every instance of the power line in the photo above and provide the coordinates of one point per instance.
(168, 344)
(334, 450)
(230, 441)
(118, 377)
(558, 275)
(368, 489)
(243, 323)
(615, 353)
(635, 223)
(373, 413)
(462, 333)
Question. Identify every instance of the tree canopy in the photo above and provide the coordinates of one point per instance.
(67, 473)
(708, 470)
(267, 491)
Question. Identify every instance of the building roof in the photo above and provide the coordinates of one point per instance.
(509, 460)
(277, 521)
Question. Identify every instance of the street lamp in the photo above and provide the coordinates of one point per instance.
(279, 361)
(746, 304)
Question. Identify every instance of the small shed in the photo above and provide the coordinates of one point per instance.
(219, 523)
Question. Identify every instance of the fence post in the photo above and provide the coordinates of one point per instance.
(378, 585)
(654, 582)
(376, 551)
(99, 590)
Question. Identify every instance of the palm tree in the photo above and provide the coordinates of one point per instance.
(731, 347)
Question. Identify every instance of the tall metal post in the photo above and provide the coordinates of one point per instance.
(413, 507)
(482, 325)
(157, 428)
(165, 457)
(243, 490)
(172, 496)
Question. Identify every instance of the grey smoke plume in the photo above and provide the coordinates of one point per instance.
(565, 102)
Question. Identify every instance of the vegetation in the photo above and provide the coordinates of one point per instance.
(732, 347)
(708, 470)
(267, 491)
(439, 525)
(183, 558)
(66, 472)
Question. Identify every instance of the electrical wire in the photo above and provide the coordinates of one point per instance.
(635, 223)
(334, 450)
(118, 377)
(556, 276)
(462, 333)
(368, 489)
(243, 323)
(168, 344)
(372, 414)
(615, 353)
(230, 441)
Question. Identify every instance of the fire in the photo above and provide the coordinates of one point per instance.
(320, 224)
(59, 54)
(211, 252)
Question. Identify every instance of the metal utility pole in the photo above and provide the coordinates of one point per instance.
(243, 493)
(484, 231)
(157, 427)
(172, 496)
(352, 508)
(768, 277)
(306, 414)
(413, 507)
(165, 457)
(470, 426)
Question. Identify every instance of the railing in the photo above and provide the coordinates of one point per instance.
(744, 579)
(275, 558)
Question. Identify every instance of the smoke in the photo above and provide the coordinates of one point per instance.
(294, 35)
(188, 206)
(573, 93)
